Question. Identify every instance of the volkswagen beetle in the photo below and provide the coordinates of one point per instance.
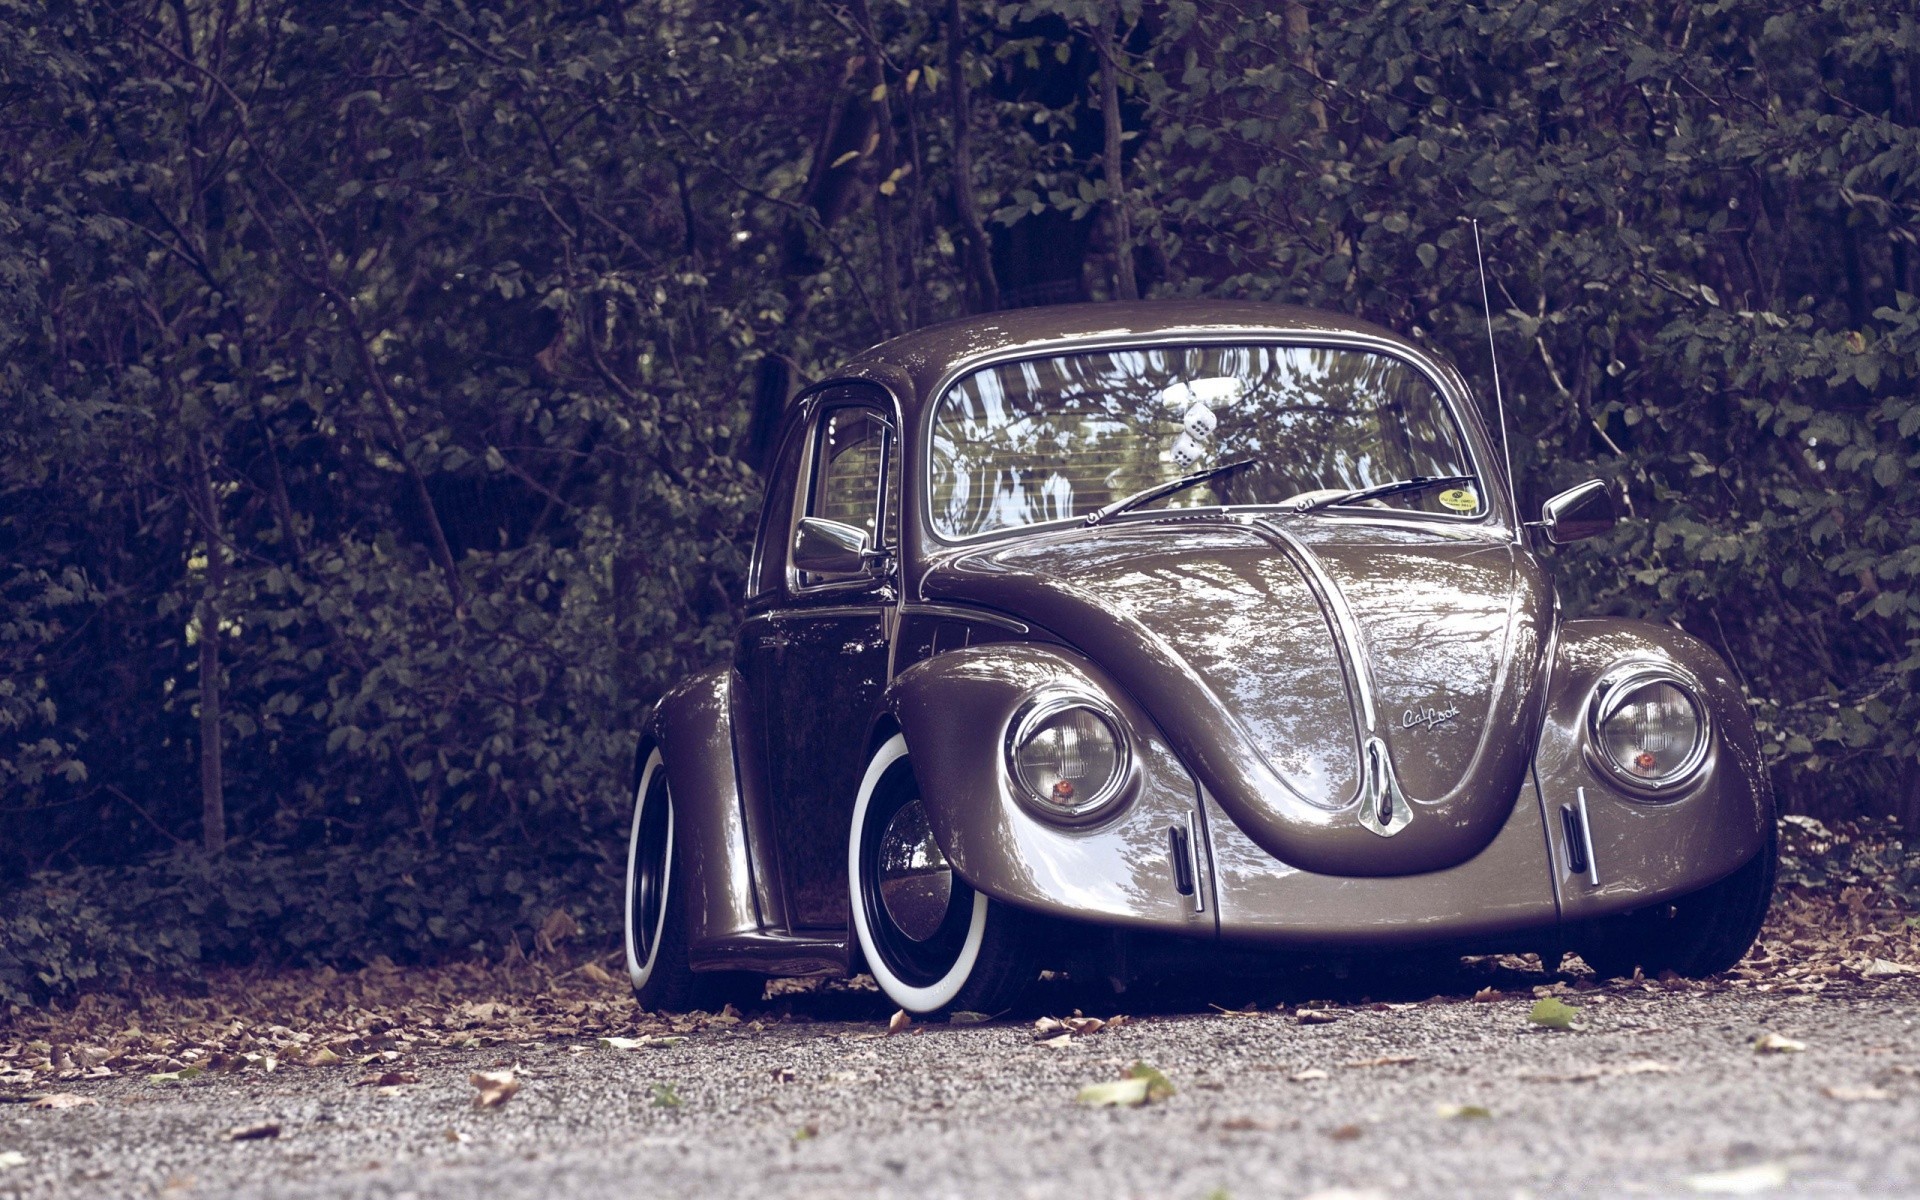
(1082, 634)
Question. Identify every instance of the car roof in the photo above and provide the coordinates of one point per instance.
(927, 356)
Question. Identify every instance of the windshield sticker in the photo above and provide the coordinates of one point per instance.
(1460, 499)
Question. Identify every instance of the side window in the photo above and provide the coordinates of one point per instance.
(847, 464)
(850, 453)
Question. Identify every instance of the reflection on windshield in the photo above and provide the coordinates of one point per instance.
(1049, 439)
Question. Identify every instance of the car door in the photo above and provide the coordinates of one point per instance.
(816, 659)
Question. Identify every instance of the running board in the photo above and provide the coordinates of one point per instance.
(787, 954)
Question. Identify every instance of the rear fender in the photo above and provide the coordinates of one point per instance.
(954, 710)
(693, 726)
(1645, 851)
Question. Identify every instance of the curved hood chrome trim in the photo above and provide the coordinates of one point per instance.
(1383, 806)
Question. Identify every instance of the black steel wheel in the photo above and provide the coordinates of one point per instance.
(656, 912)
(1701, 934)
(932, 942)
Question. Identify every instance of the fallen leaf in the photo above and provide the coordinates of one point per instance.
(806, 1133)
(598, 974)
(180, 1076)
(455, 1136)
(783, 1075)
(1487, 994)
(1462, 1112)
(323, 1057)
(965, 1017)
(1121, 1093)
(1865, 1092)
(1639, 1066)
(1159, 1087)
(1080, 1025)
(1882, 968)
(1740, 1181)
(387, 1079)
(1048, 1026)
(899, 1021)
(665, 1097)
(1310, 1075)
(1776, 1043)
(1140, 1084)
(1549, 1012)
(254, 1133)
(12, 1158)
(1315, 1016)
(495, 1088)
(1056, 1042)
(63, 1100)
(1235, 1012)
(1345, 1133)
(1246, 1124)
(650, 1042)
(1385, 1060)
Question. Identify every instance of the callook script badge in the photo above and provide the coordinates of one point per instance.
(1428, 717)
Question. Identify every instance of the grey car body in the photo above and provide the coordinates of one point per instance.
(1342, 724)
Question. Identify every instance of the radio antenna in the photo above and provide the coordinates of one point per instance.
(1499, 401)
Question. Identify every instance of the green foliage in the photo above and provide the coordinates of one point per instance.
(401, 362)
(96, 927)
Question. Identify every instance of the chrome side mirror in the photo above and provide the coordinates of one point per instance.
(829, 548)
(1579, 512)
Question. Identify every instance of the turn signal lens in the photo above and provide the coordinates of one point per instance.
(1071, 760)
(1652, 732)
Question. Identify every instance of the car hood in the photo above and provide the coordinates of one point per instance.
(1362, 698)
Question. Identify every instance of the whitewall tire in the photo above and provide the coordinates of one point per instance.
(649, 883)
(972, 955)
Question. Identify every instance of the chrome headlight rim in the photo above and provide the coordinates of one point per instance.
(1035, 711)
(1611, 692)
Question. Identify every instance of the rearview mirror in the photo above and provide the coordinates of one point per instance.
(828, 547)
(1579, 512)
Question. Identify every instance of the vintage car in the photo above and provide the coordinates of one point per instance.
(1078, 636)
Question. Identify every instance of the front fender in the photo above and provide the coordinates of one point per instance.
(1648, 851)
(954, 710)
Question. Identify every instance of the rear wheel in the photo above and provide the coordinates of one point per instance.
(656, 916)
(932, 942)
(1697, 935)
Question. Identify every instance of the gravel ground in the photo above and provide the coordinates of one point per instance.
(1657, 1087)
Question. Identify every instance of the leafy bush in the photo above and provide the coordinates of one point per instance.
(100, 927)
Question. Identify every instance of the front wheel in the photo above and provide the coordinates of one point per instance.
(932, 942)
(1697, 935)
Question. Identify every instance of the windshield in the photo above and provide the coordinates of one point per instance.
(1050, 439)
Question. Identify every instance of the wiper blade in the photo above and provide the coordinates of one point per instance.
(1377, 491)
(1164, 489)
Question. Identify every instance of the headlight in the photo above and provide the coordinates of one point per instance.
(1068, 755)
(1649, 729)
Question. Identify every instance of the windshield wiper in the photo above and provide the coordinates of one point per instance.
(1377, 491)
(1164, 489)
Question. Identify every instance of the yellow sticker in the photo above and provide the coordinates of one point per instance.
(1460, 499)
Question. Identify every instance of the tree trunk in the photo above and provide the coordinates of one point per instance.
(1125, 286)
(986, 290)
(883, 200)
(1300, 46)
(213, 798)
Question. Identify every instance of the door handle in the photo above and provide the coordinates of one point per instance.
(775, 640)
